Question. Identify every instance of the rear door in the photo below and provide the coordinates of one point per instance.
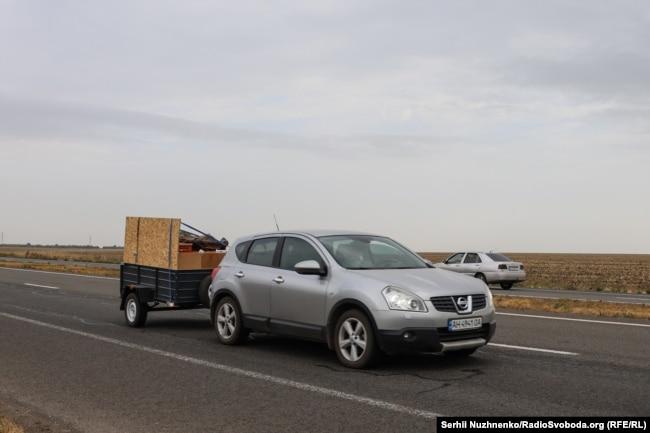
(298, 301)
(256, 278)
(471, 264)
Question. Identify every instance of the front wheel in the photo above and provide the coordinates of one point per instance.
(135, 312)
(355, 341)
(506, 286)
(228, 322)
(481, 277)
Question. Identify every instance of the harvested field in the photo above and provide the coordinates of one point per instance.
(621, 273)
(8, 426)
(94, 255)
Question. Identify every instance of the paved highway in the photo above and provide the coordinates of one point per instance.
(624, 298)
(67, 356)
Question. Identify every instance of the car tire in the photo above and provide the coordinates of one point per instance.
(481, 277)
(354, 340)
(204, 287)
(228, 323)
(463, 353)
(506, 286)
(135, 312)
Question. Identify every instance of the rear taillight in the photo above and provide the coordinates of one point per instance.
(215, 271)
(503, 267)
(521, 267)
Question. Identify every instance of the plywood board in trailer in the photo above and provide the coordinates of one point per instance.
(152, 241)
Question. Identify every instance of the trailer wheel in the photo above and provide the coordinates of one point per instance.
(228, 322)
(135, 312)
(204, 287)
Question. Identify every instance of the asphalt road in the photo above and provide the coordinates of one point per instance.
(624, 298)
(66, 355)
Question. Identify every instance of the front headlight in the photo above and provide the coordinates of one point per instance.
(489, 296)
(400, 299)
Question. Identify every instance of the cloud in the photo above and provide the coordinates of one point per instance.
(395, 114)
(39, 121)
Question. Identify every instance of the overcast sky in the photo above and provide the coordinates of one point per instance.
(505, 125)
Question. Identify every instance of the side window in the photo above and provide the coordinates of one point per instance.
(262, 251)
(456, 258)
(241, 251)
(297, 250)
(472, 258)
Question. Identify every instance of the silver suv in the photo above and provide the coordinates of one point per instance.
(359, 293)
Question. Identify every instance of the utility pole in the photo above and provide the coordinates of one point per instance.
(3, 238)
(90, 240)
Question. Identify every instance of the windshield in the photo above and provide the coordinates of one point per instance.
(370, 252)
(499, 257)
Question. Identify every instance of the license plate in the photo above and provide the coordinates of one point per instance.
(513, 268)
(462, 324)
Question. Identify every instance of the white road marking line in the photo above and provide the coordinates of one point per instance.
(59, 273)
(571, 319)
(41, 285)
(630, 297)
(239, 371)
(533, 349)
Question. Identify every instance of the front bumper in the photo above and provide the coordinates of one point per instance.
(421, 340)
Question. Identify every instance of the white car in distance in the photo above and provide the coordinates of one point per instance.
(492, 268)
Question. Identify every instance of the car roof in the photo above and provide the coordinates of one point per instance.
(313, 233)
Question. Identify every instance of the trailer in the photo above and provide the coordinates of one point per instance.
(161, 273)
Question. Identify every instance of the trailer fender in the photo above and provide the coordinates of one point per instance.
(145, 294)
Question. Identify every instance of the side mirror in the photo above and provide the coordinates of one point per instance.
(309, 267)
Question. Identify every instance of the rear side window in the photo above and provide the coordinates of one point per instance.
(262, 251)
(297, 250)
(241, 250)
(472, 258)
(499, 257)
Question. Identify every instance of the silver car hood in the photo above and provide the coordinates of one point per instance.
(426, 282)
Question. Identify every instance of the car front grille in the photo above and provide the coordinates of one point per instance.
(446, 335)
(447, 304)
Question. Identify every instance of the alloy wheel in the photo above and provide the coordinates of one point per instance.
(352, 339)
(226, 321)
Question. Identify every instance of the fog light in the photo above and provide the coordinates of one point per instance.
(407, 335)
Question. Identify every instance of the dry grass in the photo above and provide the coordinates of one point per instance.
(8, 426)
(94, 255)
(69, 269)
(584, 308)
(622, 273)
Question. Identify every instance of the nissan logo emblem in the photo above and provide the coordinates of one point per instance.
(462, 303)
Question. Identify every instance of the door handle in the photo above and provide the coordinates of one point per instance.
(278, 280)
(239, 274)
